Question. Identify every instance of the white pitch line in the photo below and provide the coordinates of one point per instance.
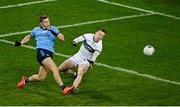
(138, 74)
(139, 9)
(84, 23)
(25, 4)
(107, 66)
(31, 47)
(15, 33)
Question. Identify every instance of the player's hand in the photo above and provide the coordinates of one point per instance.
(74, 43)
(17, 43)
(91, 63)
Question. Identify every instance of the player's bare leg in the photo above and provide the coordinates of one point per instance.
(36, 77)
(41, 75)
(82, 69)
(49, 63)
(66, 67)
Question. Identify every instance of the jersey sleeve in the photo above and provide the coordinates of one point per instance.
(32, 34)
(55, 31)
(86, 36)
(99, 47)
(79, 39)
(95, 55)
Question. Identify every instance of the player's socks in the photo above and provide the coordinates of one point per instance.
(74, 75)
(63, 86)
(27, 80)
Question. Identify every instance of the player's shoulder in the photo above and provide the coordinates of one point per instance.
(88, 35)
(100, 42)
(53, 27)
(36, 28)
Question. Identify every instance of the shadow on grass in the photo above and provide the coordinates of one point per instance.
(98, 96)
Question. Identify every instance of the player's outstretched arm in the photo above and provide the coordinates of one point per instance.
(77, 40)
(60, 37)
(24, 40)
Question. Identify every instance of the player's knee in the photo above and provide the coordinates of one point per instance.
(63, 67)
(83, 69)
(60, 69)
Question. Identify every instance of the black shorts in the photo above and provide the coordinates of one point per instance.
(43, 54)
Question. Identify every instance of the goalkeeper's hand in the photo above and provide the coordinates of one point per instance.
(17, 43)
(74, 43)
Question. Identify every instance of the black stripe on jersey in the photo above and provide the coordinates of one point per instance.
(84, 37)
(54, 33)
(88, 47)
(94, 39)
(98, 51)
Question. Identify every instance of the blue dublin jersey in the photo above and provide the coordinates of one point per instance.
(45, 38)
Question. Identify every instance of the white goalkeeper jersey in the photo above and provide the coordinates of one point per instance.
(89, 49)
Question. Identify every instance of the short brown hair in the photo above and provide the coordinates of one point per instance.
(103, 30)
(42, 18)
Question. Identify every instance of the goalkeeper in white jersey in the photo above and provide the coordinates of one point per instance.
(84, 58)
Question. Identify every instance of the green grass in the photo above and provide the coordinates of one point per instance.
(122, 47)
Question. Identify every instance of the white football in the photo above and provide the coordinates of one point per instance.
(148, 50)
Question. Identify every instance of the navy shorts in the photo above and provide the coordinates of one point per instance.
(43, 54)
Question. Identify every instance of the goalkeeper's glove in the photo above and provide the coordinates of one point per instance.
(17, 43)
(74, 43)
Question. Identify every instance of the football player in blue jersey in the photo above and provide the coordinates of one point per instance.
(45, 36)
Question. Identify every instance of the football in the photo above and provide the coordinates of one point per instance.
(148, 50)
